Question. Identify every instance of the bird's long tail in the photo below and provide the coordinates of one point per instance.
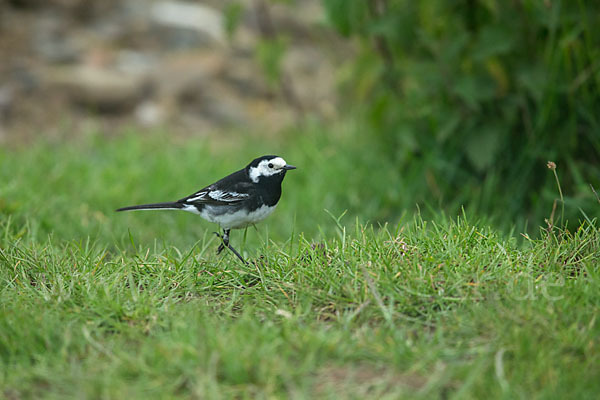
(154, 206)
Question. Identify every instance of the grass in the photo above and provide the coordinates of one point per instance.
(72, 191)
(101, 305)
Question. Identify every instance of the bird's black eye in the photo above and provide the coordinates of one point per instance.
(270, 165)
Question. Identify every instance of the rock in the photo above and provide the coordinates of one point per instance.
(245, 76)
(305, 21)
(189, 21)
(106, 56)
(181, 72)
(6, 101)
(313, 76)
(51, 40)
(135, 62)
(101, 89)
(214, 102)
(150, 113)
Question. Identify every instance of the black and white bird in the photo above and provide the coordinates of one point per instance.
(241, 199)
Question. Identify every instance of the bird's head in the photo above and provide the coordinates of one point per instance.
(268, 166)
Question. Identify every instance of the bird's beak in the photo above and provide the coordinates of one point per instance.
(287, 167)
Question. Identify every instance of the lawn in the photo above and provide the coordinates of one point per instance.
(350, 293)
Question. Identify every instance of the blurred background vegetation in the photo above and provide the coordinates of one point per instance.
(476, 96)
(388, 107)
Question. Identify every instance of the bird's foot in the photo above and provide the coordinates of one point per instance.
(225, 243)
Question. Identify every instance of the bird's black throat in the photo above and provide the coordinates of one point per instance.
(270, 188)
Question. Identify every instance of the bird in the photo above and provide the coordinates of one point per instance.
(236, 201)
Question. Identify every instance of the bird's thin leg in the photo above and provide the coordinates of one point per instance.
(223, 238)
(225, 243)
(236, 254)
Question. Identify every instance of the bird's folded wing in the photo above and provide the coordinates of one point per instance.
(215, 196)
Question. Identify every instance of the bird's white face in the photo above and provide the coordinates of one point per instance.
(267, 168)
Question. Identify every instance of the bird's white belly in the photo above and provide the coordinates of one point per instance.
(237, 219)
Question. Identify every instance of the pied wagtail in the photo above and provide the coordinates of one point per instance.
(241, 199)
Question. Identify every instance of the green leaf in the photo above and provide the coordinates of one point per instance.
(347, 16)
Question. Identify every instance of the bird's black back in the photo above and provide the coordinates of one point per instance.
(267, 191)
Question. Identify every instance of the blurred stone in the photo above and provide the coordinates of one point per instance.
(300, 20)
(51, 40)
(270, 116)
(99, 57)
(181, 72)
(245, 76)
(26, 3)
(103, 90)
(135, 62)
(244, 40)
(6, 100)
(160, 61)
(150, 113)
(309, 64)
(191, 22)
(215, 102)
